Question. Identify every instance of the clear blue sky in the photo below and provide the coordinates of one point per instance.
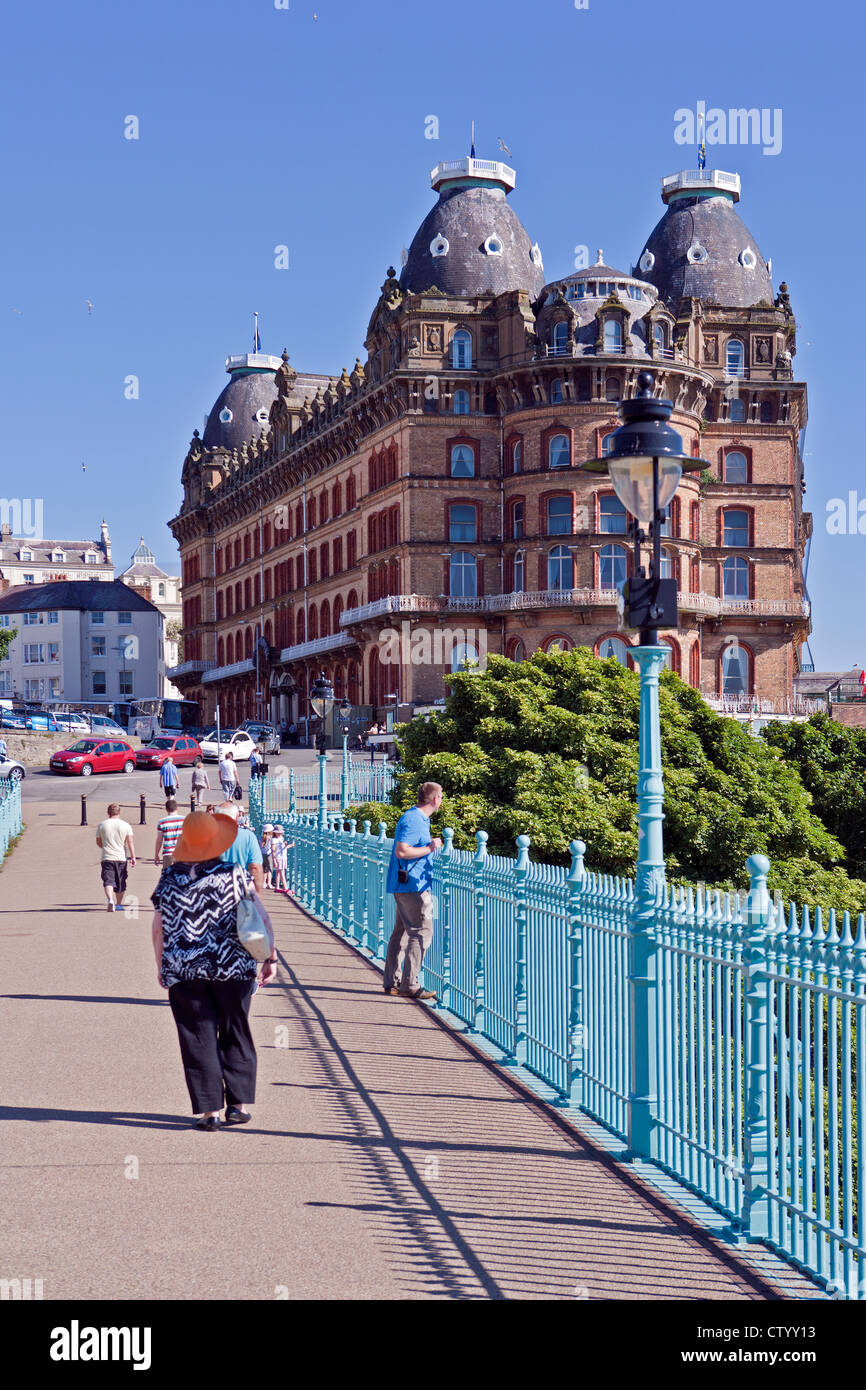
(262, 126)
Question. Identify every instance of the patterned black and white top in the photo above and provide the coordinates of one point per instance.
(199, 925)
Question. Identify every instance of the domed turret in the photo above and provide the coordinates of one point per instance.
(240, 412)
(701, 248)
(472, 242)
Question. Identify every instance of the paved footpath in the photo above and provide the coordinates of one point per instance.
(384, 1160)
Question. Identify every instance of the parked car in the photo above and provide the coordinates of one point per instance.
(238, 741)
(45, 721)
(101, 724)
(265, 734)
(94, 755)
(10, 767)
(73, 723)
(182, 750)
(8, 720)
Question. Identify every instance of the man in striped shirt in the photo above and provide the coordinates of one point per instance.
(167, 834)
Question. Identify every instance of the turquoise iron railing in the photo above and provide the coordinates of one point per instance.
(10, 813)
(756, 1027)
(299, 791)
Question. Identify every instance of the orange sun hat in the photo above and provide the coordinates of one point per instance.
(204, 836)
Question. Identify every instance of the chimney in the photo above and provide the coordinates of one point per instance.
(105, 540)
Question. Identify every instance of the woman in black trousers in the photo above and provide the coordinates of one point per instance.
(209, 975)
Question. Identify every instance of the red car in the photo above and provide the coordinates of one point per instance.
(182, 750)
(94, 755)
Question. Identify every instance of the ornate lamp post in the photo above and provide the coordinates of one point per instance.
(645, 464)
(345, 714)
(322, 701)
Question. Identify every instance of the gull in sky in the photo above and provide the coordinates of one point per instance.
(503, 146)
(89, 306)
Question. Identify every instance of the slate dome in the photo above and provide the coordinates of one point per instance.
(472, 242)
(240, 411)
(701, 248)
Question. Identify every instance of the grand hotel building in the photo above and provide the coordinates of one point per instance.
(435, 490)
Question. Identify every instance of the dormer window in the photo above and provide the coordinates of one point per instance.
(26, 555)
(646, 262)
(659, 337)
(262, 416)
(535, 255)
(225, 415)
(612, 335)
(439, 246)
(461, 350)
(493, 246)
(560, 338)
(58, 557)
(91, 558)
(748, 259)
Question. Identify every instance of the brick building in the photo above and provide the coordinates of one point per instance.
(388, 523)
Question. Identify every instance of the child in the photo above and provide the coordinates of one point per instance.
(266, 842)
(280, 859)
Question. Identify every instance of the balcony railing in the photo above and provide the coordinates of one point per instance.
(395, 603)
(704, 178)
(237, 668)
(189, 668)
(316, 645)
(750, 704)
(565, 598)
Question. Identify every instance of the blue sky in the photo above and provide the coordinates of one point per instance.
(261, 126)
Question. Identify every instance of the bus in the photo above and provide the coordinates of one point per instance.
(148, 719)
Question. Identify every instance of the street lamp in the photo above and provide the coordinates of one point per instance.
(322, 701)
(645, 463)
(345, 713)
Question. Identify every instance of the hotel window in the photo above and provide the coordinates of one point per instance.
(461, 403)
(34, 689)
(124, 619)
(766, 412)
(612, 335)
(611, 516)
(33, 619)
(737, 411)
(556, 392)
(612, 567)
(97, 646)
(735, 578)
(736, 468)
(26, 556)
(735, 528)
(53, 616)
(34, 653)
(54, 687)
(614, 647)
(461, 350)
(559, 516)
(462, 461)
(463, 576)
(518, 577)
(517, 456)
(560, 338)
(462, 522)
(464, 655)
(735, 358)
(97, 619)
(735, 671)
(54, 652)
(558, 452)
(98, 686)
(517, 519)
(560, 568)
(607, 444)
(91, 559)
(125, 679)
(667, 565)
(659, 337)
(30, 579)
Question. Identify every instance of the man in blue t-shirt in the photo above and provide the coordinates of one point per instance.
(410, 876)
(244, 849)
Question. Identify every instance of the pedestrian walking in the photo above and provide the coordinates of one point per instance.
(280, 859)
(228, 774)
(167, 833)
(168, 777)
(293, 735)
(255, 762)
(114, 837)
(373, 729)
(244, 850)
(410, 878)
(209, 975)
(284, 732)
(200, 783)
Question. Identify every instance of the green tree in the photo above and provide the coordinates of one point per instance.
(549, 747)
(7, 636)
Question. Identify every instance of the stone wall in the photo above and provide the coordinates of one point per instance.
(34, 749)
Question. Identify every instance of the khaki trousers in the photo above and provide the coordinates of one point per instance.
(412, 934)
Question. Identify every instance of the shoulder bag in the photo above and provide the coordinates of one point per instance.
(251, 925)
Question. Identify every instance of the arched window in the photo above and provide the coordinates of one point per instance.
(516, 649)
(556, 392)
(674, 658)
(221, 652)
(558, 452)
(612, 335)
(736, 468)
(313, 625)
(612, 516)
(613, 647)
(560, 568)
(219, 611)
(237, 550)
(300, 627)
(557, 644)
(667, 565)
(325, 620)
(338, 612)
(559, 516)
(463, 576)
(162, 591)
(462, 461)
(462, 522)
(248, 643)
(613, 567)
(461, 403)
(735, 527)
(612, 389)
(518, 572)
(463, 656)
(336, 499)
(695, 666)
(736, 671)
(735, 577)
(517, 519)
(735, 357)
(247, 546)
(230, 650)
(517, 456)
(738, 410)
(607, 444)
(461, 350)
(266, 531)
(659, 336)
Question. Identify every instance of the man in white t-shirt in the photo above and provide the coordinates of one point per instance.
(114, 838)
(228, 774)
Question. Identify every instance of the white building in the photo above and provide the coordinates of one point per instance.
(164, 591)
(78, 642)
(27, 560)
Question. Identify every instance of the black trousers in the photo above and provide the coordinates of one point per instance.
(216, 1045)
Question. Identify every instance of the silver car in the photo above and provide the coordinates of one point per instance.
(11, 768)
